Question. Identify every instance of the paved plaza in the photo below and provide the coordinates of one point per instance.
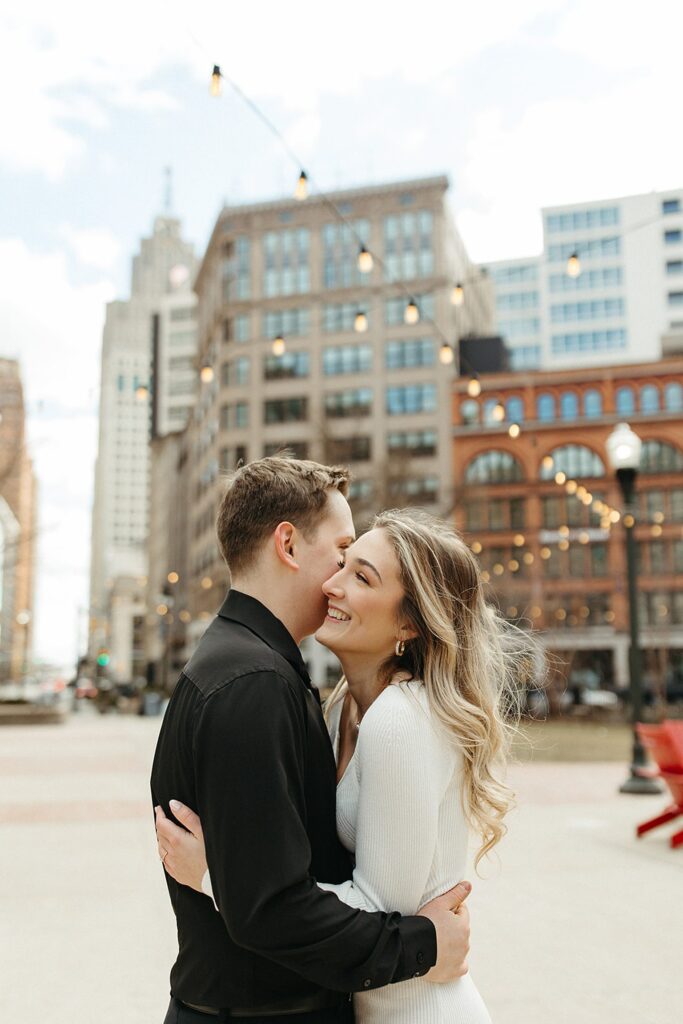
(578, 923)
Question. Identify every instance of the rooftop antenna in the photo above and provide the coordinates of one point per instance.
(168, 189)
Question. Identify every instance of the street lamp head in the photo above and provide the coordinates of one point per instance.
(623, 448)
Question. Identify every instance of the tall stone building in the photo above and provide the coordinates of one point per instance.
(160, 291)
(17, 529)
(314, 349)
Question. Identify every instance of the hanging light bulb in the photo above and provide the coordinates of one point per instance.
(458, 295)
(498, 412)
(278, 346)
(215, 85)
(574, 265)
(412, 313)
(474, 387)
(301, 190)
(365, 260)
(446, 355)
(360, 322)
(206, 374)
(514, 430)
(141, 392)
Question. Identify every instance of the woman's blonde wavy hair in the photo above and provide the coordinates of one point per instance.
(472, 662)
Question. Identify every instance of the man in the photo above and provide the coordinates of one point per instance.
(244, 742)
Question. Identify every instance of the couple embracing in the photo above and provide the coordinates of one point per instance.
(320, 880)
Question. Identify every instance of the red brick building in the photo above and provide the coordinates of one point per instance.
(539, 504)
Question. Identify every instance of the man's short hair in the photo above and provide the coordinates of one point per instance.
(269, 491)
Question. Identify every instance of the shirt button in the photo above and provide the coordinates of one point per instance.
(367, 983)
(417, 974)
(420, 958)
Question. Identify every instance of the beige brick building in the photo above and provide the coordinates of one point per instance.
(17, 529)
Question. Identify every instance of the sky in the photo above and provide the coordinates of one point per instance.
(540, 102)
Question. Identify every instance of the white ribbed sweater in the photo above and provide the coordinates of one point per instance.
(400, 811)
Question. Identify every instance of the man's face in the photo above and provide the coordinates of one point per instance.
(319, 559)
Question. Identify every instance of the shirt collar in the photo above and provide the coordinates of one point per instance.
(249, 612)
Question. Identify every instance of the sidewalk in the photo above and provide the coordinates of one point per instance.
(580, 924)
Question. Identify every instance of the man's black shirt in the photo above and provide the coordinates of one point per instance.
(244, 743)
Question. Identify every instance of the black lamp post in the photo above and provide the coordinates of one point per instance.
(623, 450)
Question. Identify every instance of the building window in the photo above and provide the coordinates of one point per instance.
(673, 397)
(575, 460)
(545, 408)
(235, 373)
(340, 359)
(515, 301)
(626, 401)
(231, 458)
(411, 398)
(579, 220)
(588, 341)
(494, 467)
(291, 364)
(349, 449)
(361, 490)
(592, 404)
(353, 402)
(593, 248)
(403, 355)
(415, 490)
(394, 308)
(601, 277)
(285, 410)
(649, 399)
(290, 323)
(469, 412)
(660, 457)
(234, 416)
(412, 442)
(569, 405)
(524, 327)
(598, 309)
(296, 449)
(514, 410)
(340, 253)
(408, 251)
(676, 298)
(673, 237)
(285, 256)
(340, 316)
(671, 206)
(525, 357)
(237, 328)
(237, 269)
(674, 266)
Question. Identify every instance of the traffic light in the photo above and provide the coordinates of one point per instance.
(103, 658)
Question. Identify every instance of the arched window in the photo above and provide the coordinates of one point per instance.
(592, 403)
(569, 405)
(494, 467)
(660, 457)
(514, 410)
(545, 408)
(575, 460)
(626, 402)
(469, 412)
(649, 398)
(673, 397)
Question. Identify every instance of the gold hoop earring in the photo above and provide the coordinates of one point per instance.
(400, 648)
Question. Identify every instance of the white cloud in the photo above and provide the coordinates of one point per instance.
(93, 247)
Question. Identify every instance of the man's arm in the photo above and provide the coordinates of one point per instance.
(249, 757)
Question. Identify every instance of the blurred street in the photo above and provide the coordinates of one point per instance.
(580, 924)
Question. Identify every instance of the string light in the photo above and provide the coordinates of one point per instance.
(458, 295)
(514, 430)
(571, 487)
(498, 412)
(360, 323)
(528, 558)
(446, 355)
(563, 545)
(207, 583)
(476, 547)
(141, 392)
(560, 477)
(173, 577)
(301, 190)
(365, 260)
(474, 387)
(206, 374)
(519, 540)
(278, 347)
(215, 87)
(548, 462)
(656, 530)
(412, 313)
(498, 569)
(545, 553)
(574, 265)
(185, 616)
(162, 609)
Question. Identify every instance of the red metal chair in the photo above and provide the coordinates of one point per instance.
(665, 745)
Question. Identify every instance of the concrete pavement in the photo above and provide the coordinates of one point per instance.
(579, 923)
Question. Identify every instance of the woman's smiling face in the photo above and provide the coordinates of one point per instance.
(364, 599)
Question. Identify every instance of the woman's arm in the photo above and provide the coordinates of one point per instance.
(401, 785)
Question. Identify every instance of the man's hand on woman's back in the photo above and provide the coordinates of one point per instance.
(451, 918)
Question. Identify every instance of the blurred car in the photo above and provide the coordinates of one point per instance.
(85, 689)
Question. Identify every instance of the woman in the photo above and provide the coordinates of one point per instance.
(418, 762)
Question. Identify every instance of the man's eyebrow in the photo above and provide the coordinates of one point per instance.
(369, 565)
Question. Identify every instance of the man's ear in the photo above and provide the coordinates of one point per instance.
(285, 537)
